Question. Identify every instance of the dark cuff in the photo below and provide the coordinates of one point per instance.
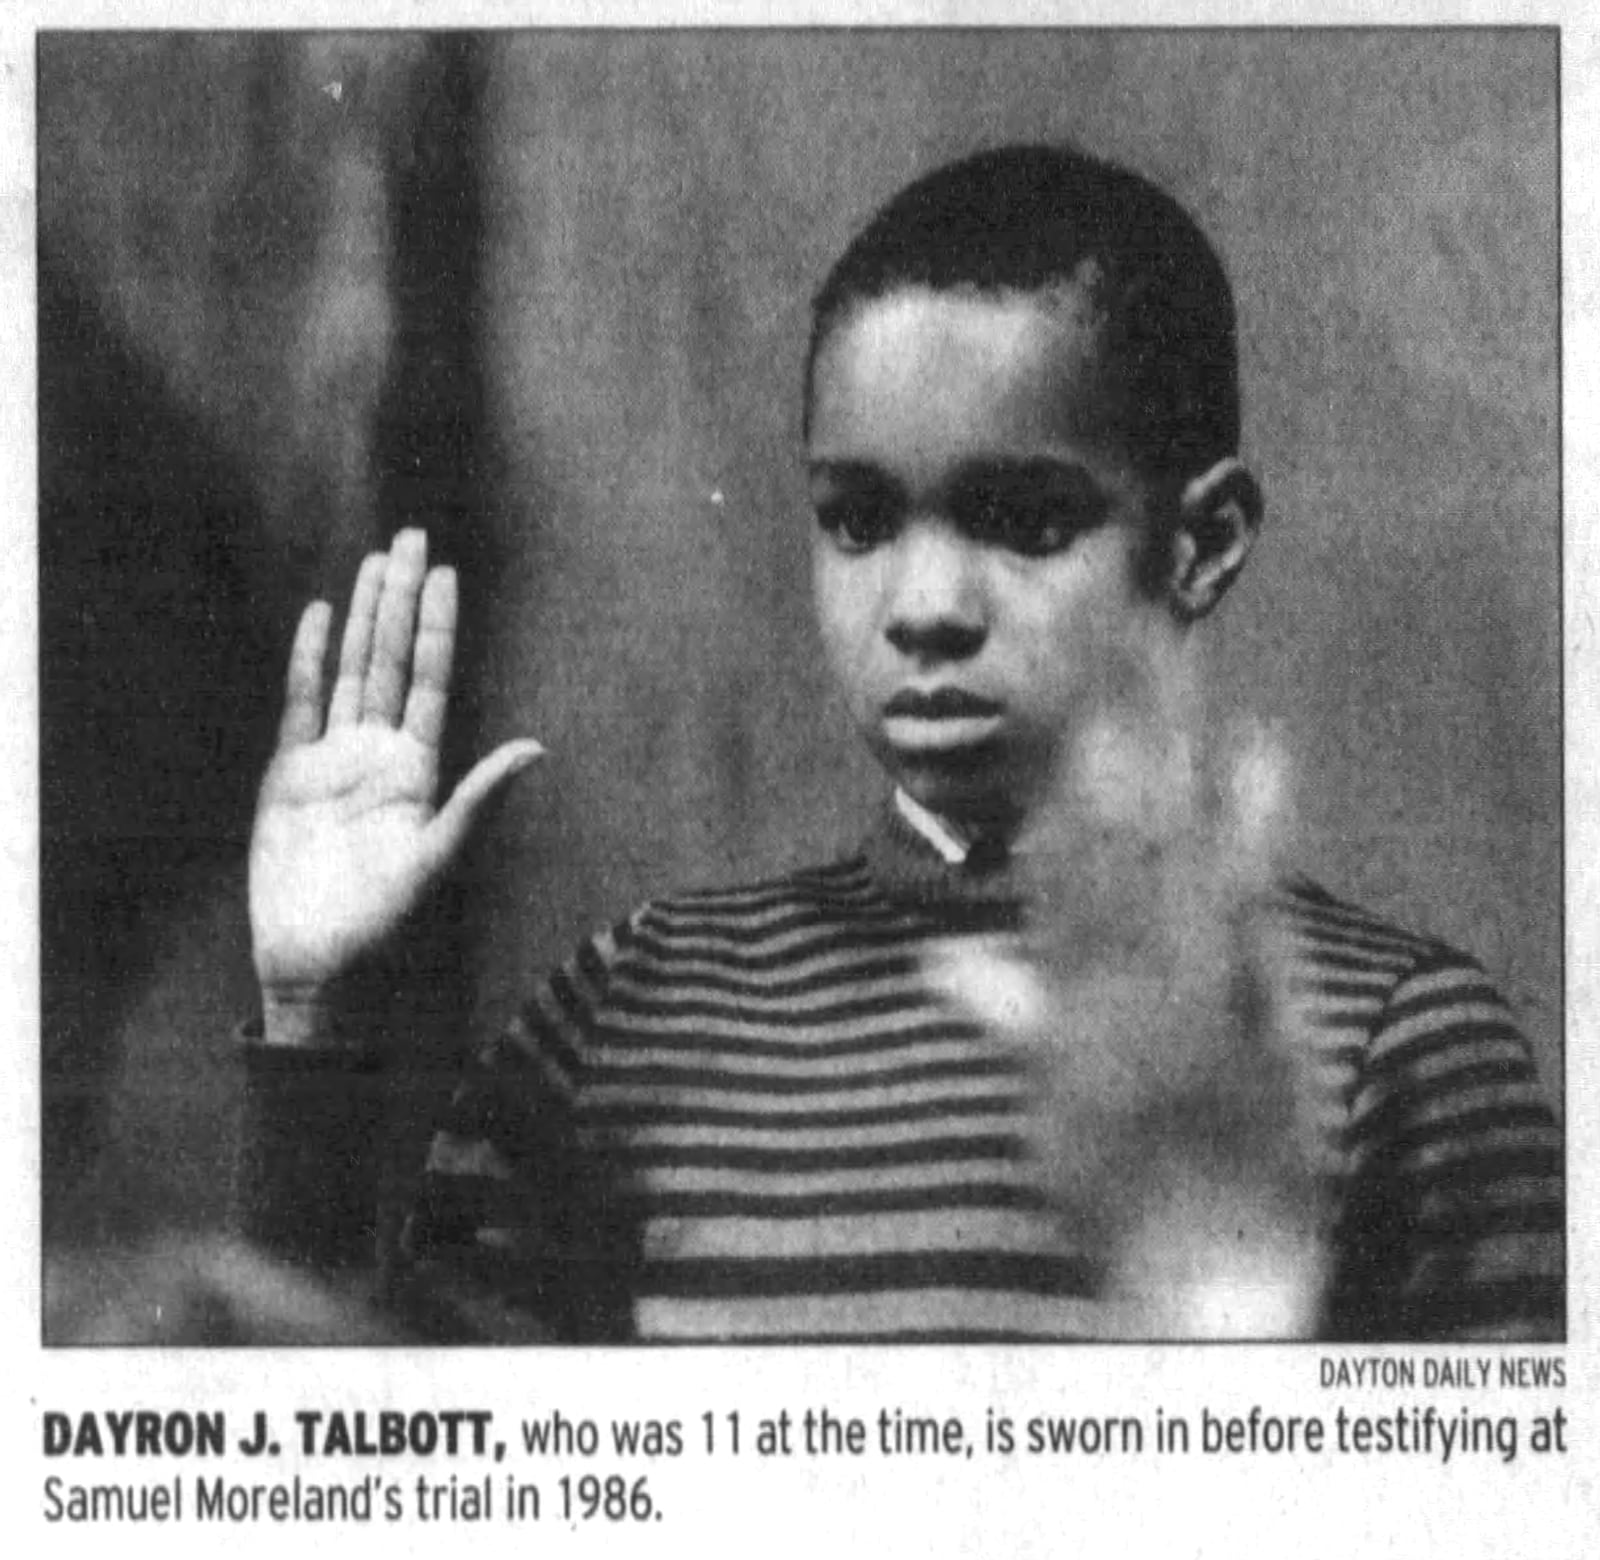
(306, 1176)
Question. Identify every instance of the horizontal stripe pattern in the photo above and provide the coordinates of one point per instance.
(745, 1111)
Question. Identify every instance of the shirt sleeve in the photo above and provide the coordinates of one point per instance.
(522, 1210)
(1452, 1225)
(515, 1231)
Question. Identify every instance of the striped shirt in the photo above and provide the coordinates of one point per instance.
(744, 1114)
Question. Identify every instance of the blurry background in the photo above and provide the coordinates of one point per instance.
(547, 293)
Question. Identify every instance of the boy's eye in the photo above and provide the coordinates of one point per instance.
(1031, 518)
(858, 522)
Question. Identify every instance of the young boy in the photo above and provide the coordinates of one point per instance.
(764, 1112)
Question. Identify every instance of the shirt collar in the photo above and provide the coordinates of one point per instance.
(952, 843)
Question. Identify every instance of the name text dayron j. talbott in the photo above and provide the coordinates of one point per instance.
(335, 1432)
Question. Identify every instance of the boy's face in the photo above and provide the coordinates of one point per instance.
(977, 559)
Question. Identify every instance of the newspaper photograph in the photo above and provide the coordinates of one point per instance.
(807, 783)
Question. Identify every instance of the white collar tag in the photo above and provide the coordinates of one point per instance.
(951, 844)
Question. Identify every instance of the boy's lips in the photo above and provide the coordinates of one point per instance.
(939, 718)
(944, 703)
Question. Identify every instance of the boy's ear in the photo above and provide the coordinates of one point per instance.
(1219, 513)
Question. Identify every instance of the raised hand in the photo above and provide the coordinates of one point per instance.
(1151, 998)
(347, 839)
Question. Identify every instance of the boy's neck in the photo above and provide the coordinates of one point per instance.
(919, 857)
(956, 839)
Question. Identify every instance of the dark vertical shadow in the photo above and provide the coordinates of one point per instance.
(157, 697)
(431, 451)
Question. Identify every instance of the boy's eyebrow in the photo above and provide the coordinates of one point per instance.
(858, 470)
(853, 474)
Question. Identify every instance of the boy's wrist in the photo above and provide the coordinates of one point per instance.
(309, 1018)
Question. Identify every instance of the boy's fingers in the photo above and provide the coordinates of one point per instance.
(431, 658)
(449, 830)
(302, 704)
(345, 705)
(383, 691)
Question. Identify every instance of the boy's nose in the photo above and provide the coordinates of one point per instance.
(935, 608)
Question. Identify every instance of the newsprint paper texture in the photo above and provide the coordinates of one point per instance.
(537, 278)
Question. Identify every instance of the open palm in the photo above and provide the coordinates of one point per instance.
(347, 837)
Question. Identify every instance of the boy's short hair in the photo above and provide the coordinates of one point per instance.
(1035, 218)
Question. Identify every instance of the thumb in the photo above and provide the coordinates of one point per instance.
(448, 831)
